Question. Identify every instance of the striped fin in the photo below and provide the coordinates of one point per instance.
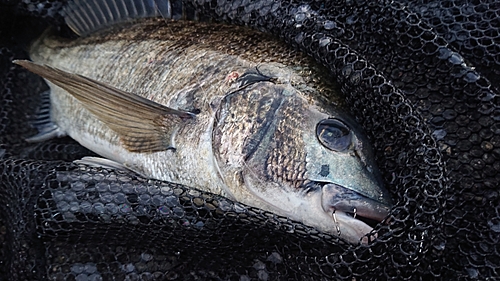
(143, 125)
(87, 16)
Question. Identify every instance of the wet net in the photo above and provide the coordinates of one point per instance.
(422, 77)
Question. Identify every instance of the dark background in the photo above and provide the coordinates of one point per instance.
(422, 77)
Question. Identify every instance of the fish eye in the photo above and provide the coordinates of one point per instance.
(334, 135)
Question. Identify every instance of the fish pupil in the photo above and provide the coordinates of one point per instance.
(334, 135)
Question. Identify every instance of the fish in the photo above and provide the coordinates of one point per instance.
(223, 109)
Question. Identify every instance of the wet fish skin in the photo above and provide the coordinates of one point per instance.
(254, 138)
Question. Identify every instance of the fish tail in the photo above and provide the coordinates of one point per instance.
(34, 46)
(43, 123)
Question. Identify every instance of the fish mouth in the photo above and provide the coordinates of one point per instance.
(336, 198)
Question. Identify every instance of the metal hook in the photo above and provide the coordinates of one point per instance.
(337, 224)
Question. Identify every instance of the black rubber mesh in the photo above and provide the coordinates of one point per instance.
(422, 78)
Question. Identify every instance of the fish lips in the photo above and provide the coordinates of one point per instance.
(335, 198)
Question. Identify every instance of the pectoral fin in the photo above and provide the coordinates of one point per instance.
(143, 125)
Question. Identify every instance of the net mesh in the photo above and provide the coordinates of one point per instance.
(420, 76)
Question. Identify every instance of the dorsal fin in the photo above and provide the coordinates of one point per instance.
(87, 16)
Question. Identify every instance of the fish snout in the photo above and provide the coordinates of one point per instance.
(338, 198)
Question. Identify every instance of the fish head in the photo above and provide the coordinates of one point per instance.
(340, 167)
(282, 153)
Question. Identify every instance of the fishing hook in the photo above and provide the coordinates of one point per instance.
(337, 224)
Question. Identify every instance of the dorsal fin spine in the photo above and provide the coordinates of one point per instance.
(91, 12)
(77, 21)
(102, 13)
(108, 11)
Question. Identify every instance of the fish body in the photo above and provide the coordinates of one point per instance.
(219, 108)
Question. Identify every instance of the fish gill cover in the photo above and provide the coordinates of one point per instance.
(422, 77)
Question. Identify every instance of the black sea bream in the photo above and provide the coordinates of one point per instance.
(220, 108)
